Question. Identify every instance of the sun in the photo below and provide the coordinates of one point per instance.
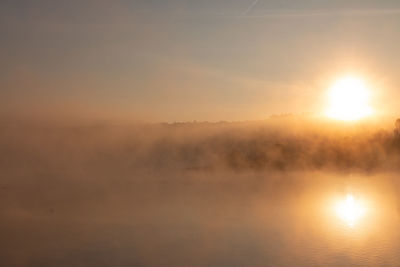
(349, 100)
(350, 210)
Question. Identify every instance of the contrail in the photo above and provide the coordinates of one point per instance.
(249, 8)
(317, 13)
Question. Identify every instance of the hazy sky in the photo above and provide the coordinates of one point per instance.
(175, 60)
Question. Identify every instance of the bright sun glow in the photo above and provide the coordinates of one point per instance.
(350, 210)
(349, 100)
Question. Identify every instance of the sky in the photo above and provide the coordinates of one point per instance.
(176, 60)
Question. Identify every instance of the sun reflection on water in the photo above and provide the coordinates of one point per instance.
(350, 210)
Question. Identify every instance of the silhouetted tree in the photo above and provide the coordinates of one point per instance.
(396, 132)
(397, 128)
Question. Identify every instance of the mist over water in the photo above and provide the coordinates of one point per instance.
(197, 194)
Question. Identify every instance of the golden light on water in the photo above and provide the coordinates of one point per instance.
(349, 100)
(350, 210)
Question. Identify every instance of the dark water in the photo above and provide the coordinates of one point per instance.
(199, 219)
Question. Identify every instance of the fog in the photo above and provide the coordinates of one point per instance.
(194, 194)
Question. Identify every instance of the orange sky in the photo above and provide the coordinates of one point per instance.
(193, 60)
